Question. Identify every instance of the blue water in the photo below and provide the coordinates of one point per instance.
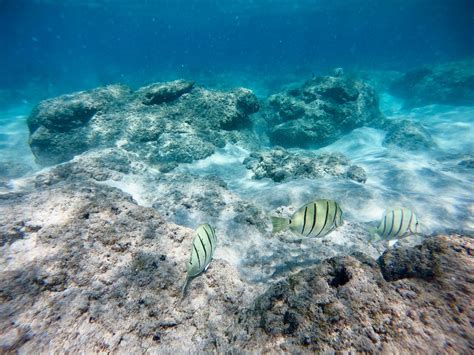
(50, 47)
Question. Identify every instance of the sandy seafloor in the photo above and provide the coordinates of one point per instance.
(431, 182)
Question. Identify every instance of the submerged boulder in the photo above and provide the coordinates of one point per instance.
(158, 93)
(165, 123)
(280, 165)
(417, 300)
(71, 124)
(408, 134)
(85, 269)
(320, 111)
(449, 83)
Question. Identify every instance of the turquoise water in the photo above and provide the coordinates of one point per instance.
(125, 125)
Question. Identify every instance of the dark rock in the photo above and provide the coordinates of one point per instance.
(280, 165)
(320, 111)
(450, 83)
(158, 93)
(408, 134)
(427, 261)
(345, 304)
(246, 101)
(357, 173)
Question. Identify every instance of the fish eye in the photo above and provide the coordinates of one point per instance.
(290, 221)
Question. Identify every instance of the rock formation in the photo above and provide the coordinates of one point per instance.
(419, 299)
(165, 123)
(279, 165)
(448, 83)
(320, 111)
(85, 269)
(408, 135)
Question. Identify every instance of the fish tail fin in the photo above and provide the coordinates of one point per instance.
(185, 286)
(279, 224)
(374, 236)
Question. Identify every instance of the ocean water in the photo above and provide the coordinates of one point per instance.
(56, 47)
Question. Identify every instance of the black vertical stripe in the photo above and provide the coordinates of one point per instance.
(199, 259)
(209, 238)
(384, 224)
(205, 251)
(326, 220)
(315, 212)
(401, 224)
(212, 231)
(393, 222)
(304, 219)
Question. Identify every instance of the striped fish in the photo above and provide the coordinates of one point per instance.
(397, 223)
(315, 219)
(202, 250)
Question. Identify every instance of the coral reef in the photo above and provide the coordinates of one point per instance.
(448, 83)
(71, 124)
(279, 165)
(417, 299)
(87, 269)
(84, 268)
(94, 248)
(320, 111)
(165, 123)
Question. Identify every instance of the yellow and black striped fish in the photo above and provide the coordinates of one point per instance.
(397, 223)
(202, 250)
(315, 219)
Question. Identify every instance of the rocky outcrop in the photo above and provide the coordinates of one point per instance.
(320, 111)
(280, 165)
(71, 124)
(158, 93)
(165, 123)
(449, 83)
(418, 300)
(186, 199)
(85, 269)
(408, 135)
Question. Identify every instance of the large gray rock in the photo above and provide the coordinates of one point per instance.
(165, 123)
(85, 269)
(419, 301)
(320, 111)
(158, 93)
(280, 165)
(408, 135)
(71, 124)
(448, 83)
